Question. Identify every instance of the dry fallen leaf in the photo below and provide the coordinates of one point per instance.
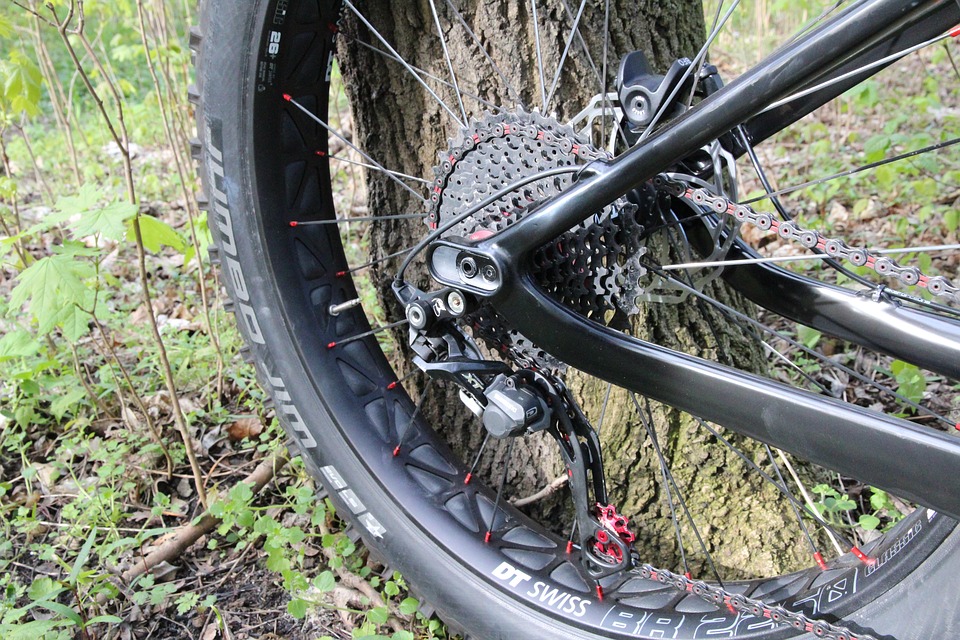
(245, 428)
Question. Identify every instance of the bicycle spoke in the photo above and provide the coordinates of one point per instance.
(668, 479)
(343, 139)
(446, 56)
(817, 556)
(409, 69)
(399, 216)
(604, 79)
(429, 76)
(603, 409)
(686, 74)
(713, 27)
(373, 263)
(496, 68)
(483, 445)
(811, 507)
(808, 507)
(849, 172)
(413, 417)
(503, 483)
(366, 334)
(563, 58)
(873, 65)
(730, 311)
(536, 38)
(397, 174)
(820, 18)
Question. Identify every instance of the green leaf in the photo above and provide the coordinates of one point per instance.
(62, 610)
(52, 285)
(82, 557)
(951, 220)
(44, 588)
(18, 344)
(108, 221)
(825, 489)
(85, 199)
(156, 233)
(808, 337)
(869, 522)
(85, 214)
(378, 615)
(325, 582)
(6, 27)
(65, 402)
(75, 323)
(846, 504)
(409, 606)
(297, 607)
(912, 384)
(103, 620)
(876, 148)
(21, 84)
(880, 500)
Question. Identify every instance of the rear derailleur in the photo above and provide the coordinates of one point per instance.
(518, 403)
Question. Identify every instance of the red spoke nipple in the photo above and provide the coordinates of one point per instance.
(288, 97)
(340, 274)
(955, 31)
(392, 386)
(396, 451)
(468, 478)
(486, 537)
(599, 593)
(294, 223)
(331, 345)
(820, 561)
(864, 558)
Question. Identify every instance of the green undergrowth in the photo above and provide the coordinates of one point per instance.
(98, 413)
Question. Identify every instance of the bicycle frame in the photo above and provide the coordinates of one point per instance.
(887, 452)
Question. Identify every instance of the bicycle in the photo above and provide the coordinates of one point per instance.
(540, 259)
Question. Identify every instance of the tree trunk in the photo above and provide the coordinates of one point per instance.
(741, 518)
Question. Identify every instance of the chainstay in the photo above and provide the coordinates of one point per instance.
(834, 248)
(757, 608)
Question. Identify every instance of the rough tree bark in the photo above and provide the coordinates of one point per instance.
(749, 530)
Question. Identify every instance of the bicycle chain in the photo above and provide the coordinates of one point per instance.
(811, 239)
(757, 608)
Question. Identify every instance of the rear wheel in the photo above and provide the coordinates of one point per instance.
(275, 147)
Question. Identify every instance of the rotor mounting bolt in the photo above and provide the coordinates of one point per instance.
(468, 267)
(489, 273)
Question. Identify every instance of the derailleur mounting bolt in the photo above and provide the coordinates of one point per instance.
(456, 303)
(416, 316)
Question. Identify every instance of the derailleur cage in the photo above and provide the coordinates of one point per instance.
(516, 403)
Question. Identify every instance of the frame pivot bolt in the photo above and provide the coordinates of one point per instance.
(489, 273)
(468, 267)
